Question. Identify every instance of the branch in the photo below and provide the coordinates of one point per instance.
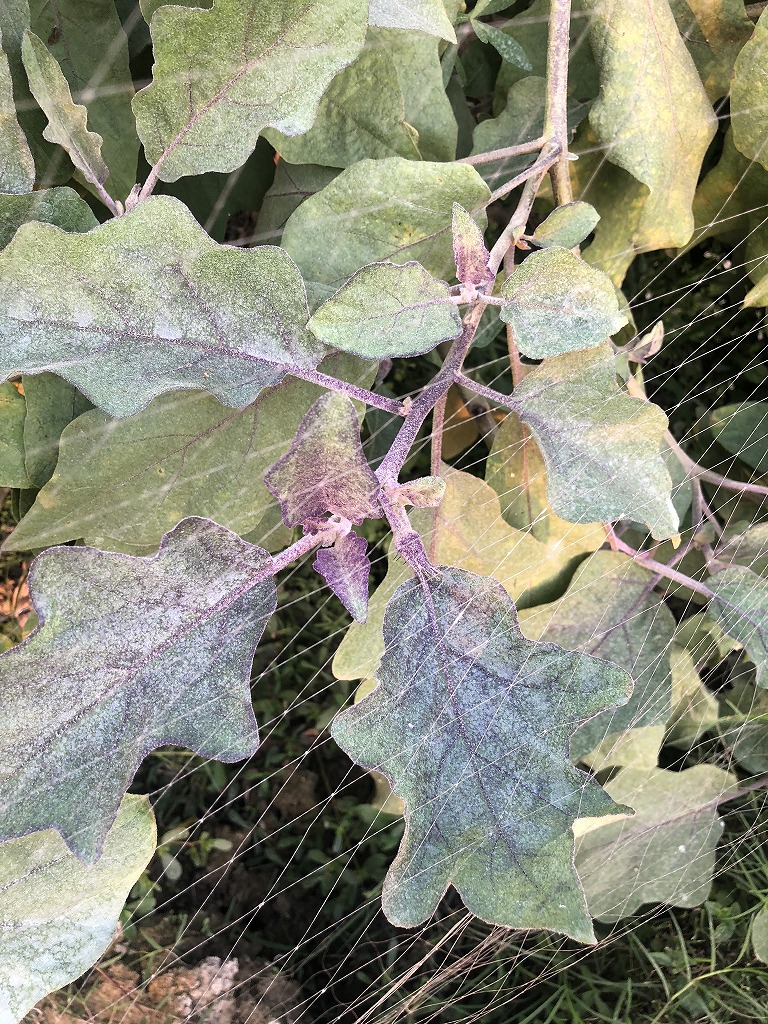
(351, 390)
(519, 218)
(556, 116)
(660, 569)
(504, 154)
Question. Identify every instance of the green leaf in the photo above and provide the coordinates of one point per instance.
(148, 7)
(469, 725)
(121, 484)
(694, 708)
(67, 121)
(325, 469)
(740, 607)
(509, 48)
(745, 545)
(380, 210)
(714, 34)
(58, 915)
(652, 114)
(749, 95)
(568, 225)
(291, 186)
(222, 76)
(743, 725)
(361, 115)
(416, 15)
(742, 429)
(469, 250)
(13, 472)
(17, 168)
(388, 310)
(148, 303)
(427, 107)
(601, 447)
(611, 612)
(760, 934)
(557, 303)
(52, 404)
(522, 120)
(97, 687)
(467, 531)
(665, 853)
(88, 41)
(60, 206)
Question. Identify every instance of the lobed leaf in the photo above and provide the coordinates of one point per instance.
(714, 35)
(148, 303)
(325, 469)
(416, 15)
(381, 210)
(97, 686)
(17, 168)
(740, 607)
(59, 915)
(664, 853)
(601, 447)
(567, 225)
(346, 567)
(387, 310)
(67, 121)
(557, 303)
(749, 95)
(222, 76)
(470, 722)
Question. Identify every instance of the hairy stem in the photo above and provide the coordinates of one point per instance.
(556, 116)
(543, 163)
(503, 154)
(438, 426)
(351, 390)
(522, 212)
(301, 547)
(660, 569)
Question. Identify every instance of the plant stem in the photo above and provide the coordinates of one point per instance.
(556, 115)
(505, 401)
(341, 387)
(661, 569)
(542, 164)
(438, 426)
(697, 472)
(503, 154)
(301, 547)
(519, 218)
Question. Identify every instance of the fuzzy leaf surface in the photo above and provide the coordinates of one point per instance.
(505, 45)
(223, 75)
(611, 612)
(67, 121)
(148, 303)
(665, 853)
(325, 469)
(120, 484)
(558, 303)
(749, 95)
(601, 447)
(346, 567)
(60, 206)
(388, 310)
(417, 15)
(652, 113)
(97, 686)
(469, 249)
(381, 210)
(59, 915)
(361, 115)
(470, 722)
(567, 226)
(17, 168)
(740, 608)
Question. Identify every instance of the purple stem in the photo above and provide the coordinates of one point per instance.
(341, 387)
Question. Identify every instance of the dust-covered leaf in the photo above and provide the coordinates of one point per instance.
(416, 15)
(97, 686)
(60, 206)
(17, 168)
(121, 484)
(148, 303)
(346, 567)
(652, 114)
(522, 120)
(567, 226)
(223, 75)
(13, 409)
(740, 607)
(505, 45)
(361, 115)
(470, 722)
(381, 210)
(67, 121)
(291, 186)
(60, 915)
(611, 612)
(664, 853)
(742, 429)
(749, 95)
(52, 403)
(325, 469)
(714, 34)
(469, 250)
(387, 310)
(601, 447)
(557, 303)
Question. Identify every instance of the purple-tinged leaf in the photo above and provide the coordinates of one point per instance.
(325, 469)
(471, 724)
(132, 654)
(345, 567)
(426, 492)
(469, 250)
